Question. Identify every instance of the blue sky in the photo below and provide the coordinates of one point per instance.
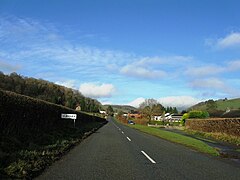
(120, 52)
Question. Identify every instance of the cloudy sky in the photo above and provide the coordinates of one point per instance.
(121, 51)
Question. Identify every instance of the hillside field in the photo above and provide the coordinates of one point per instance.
(221, 105)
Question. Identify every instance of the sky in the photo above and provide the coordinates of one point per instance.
(179, 52)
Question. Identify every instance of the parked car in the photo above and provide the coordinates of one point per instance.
(131, 122)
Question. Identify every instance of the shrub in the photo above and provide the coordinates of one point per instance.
(198, 114)
(184, 117)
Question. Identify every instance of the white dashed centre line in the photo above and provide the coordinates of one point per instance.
(128, 138)
(147, 156)
(122, 132)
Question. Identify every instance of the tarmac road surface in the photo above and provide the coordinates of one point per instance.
(119, 152)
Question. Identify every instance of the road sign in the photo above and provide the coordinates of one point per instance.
(69, 116)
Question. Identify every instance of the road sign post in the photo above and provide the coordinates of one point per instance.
(70, 116)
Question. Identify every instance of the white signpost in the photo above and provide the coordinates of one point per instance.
(69, 116)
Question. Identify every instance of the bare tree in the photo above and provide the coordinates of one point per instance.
(148, 102)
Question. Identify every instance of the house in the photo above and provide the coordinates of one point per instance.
(160, 117)
(102, 112)
(176, 117)
(78, 108)
(156, 118)
(167, 117)
(135, 115)
(125, 115)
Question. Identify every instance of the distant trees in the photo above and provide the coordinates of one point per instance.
(171, 110)
(151, 107)
(110, 111)
(148, 102)
(158, 109)
(48, 91)
(211, 105)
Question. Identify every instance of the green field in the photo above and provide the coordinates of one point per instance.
(221, 105)
(177, 138)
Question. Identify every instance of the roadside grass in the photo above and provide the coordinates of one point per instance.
(178, 138)
(21, 160)
(217, 136)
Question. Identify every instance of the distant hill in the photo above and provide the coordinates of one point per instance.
(222, 104)
(124, 108)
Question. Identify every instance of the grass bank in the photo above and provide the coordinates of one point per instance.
(21, 160)
(177, 138)
(216, 136)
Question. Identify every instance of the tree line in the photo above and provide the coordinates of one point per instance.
(47, 91)
(157, 108)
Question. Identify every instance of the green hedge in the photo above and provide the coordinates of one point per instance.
(198, 114)
(23, 116)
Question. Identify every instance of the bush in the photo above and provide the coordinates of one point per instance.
(184, 117)
(198, 114)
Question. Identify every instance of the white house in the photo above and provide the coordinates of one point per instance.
(102, 112)
(168, 117)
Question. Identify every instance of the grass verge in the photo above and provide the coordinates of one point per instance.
(21, 160)
(177, 138)
(217, 136)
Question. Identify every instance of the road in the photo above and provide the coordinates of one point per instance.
(119, 152)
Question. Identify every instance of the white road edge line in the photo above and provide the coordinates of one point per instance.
(150, 159)
(128, 138)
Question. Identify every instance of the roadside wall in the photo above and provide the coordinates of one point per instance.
(229, 126)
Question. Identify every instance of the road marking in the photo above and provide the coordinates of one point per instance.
(116, 126)
(122, 132)
(128, 138)
(150, 159)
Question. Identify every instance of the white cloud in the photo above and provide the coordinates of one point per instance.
(136, 102)
(37, 43)
(68, 83)
(153, 67)
(169, 60)
(204, 70)
(231, 40)
(211, 83)
(106, 102)
(233, 65)
(181, 102)
(6, 67)
(94, 90)
(137, 71)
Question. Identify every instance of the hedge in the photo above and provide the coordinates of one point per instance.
(23, 116)
(230, 126)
